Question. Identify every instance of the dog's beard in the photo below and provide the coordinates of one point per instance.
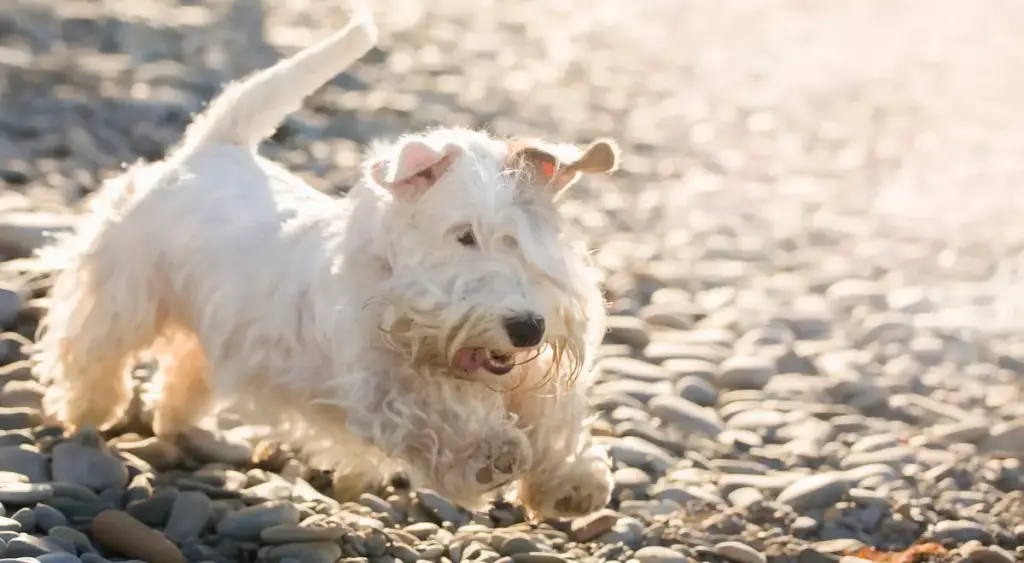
(456, 345)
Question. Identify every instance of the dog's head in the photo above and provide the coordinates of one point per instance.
(484, 271)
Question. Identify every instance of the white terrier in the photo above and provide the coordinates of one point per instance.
(441, 318)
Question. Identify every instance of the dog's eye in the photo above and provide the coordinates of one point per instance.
(467, 238)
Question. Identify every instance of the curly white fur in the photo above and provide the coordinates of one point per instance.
(342, 321)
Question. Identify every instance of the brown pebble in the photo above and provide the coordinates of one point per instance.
(589, 527)
(121, 533)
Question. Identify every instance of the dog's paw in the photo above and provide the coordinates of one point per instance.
(584, 487)
(500, 459)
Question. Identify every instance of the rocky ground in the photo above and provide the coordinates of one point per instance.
(812, 259)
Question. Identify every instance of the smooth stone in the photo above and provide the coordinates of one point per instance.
(313, 552)
(744, 372)
(25, 460)
(48, 517)
(30, 546)
(635, 452)
(686, 415)
(683, 495)
(81, 541)
(1005, 437)
(697, 391)
(213, 448)
(18, 418)
(632, 368)
(24, 493)
(189, 516)
(286, 533)
(627, 530)
(642, 391)
(819, 490)
(898, 456)
(422, 530)
(90, 467)
(739, 552)
(158, 453)
(626, 329)
(10, 525)
(681, 368)
(658, 554)
(26, 518)
(745, 496)
(248, 523)
(960, 531)
(57, 558)
(588, 527)
(440, 507)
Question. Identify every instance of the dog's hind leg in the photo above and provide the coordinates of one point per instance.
(182, 394)
(103, 312)
(90, 336)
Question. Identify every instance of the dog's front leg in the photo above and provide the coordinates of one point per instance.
(455, 437)
(570, 476)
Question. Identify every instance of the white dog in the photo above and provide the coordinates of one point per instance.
(442, 317)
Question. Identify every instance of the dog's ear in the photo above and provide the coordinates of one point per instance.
(417, 167)
(556, 167)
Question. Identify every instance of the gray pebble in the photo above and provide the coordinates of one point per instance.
(248, 523)
(442, 510)
(960, 531)
(58, 558)
(286, 533)
(27, 518)
(740, 372)
(25, 460)
(30, 546)
(91, 467)
(10, 525)
(658, 554)
(697, 391)
(76, 538)
(686, 415)
(314, 552)
(819, 490)
(189, 515)
(627, 530)
(24, 493)
(18, 418)
(739, 552)
(48, 517)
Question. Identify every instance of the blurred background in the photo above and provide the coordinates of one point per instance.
(812, 251)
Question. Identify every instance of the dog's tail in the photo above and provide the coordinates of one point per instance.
(250, 110)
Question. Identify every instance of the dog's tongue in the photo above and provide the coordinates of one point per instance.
(471, 359)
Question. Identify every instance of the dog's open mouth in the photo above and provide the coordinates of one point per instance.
(474, 359)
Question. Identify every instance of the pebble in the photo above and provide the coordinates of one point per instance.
(588, 527)
(819, 490)
(697, 391)
(960, 531)
(24, 460)
(286, 533)
(25, 545)
(189, 516)
(24, 493)
(47, 517)
(658, 554)
(741, 372)
(87, 466)
(686, 415)
(248, 523)
(17, 418)
(118, 532)
(739, 552)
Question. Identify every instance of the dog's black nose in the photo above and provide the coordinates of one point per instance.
(525, 330)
